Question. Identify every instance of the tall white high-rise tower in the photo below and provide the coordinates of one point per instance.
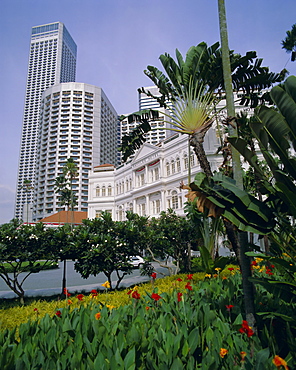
(77, 121)
(52, 60)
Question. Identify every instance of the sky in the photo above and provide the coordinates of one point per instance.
(116, 41)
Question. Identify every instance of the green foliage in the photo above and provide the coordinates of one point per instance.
(186, 331)
(236, 205)
(276, 137)
(24, 243)
(105, 246)
(289, 43)
(26, 266)
(171, 236)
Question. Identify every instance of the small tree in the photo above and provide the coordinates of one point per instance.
(104, 246)
(171, 236)
(21, 249)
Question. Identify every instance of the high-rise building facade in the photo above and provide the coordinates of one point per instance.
(52, 60)
(76, 121)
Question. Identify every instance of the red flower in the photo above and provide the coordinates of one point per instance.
(188, 286)
(153, 275)
(272, 266)
(254, 263)
(35, 309)
(80, 297)
(66, 292)
(230, 268)
(246, 329)
(94, 293)
(136, 295)
(179, 297)
(268, 272)
(229, 307)
(129, 292)
(179, 279)
(58, 313)
(155, 296)
(190, 276)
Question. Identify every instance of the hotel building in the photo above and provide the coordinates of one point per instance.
(76, 121)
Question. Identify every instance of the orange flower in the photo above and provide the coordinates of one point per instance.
(223, 352)
(69, 301)
(98, 316)
(243, 355)
(278, 362)
(147, 308)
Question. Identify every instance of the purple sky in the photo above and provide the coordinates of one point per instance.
(116, 40)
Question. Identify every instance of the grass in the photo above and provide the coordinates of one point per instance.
(26, 267)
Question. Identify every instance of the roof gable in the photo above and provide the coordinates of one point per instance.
(144, 151)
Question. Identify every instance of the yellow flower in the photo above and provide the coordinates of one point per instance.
(98, 316)
(223, 352)
(218, 268)
(258, 260)
(106, 284)
(110, 306)
(208, 275)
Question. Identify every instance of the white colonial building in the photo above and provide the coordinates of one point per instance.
(150, 182)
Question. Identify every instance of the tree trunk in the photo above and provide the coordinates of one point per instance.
(248, 288)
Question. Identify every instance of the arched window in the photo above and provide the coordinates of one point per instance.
(178, 163)
(120, 213)
(109, 190)
(168, 169)
(173, 166)
(97, 191)
(185, 161)
(156, 173)
(175, 203)
(192, 162)
(103, 191)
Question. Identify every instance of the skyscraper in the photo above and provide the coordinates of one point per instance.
(76, 121)
(52, 60)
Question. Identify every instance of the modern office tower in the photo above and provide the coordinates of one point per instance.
(52, 60)
(76, 121)
(145, 101)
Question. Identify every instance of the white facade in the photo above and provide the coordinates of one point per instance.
(76, 121)
(52, 60)
(150, 182)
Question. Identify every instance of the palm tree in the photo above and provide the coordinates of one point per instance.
(70, 172)
(27, 188)
(289, 43)
(248, 287)
(194, 86)
(200, 76)
(64, 186)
